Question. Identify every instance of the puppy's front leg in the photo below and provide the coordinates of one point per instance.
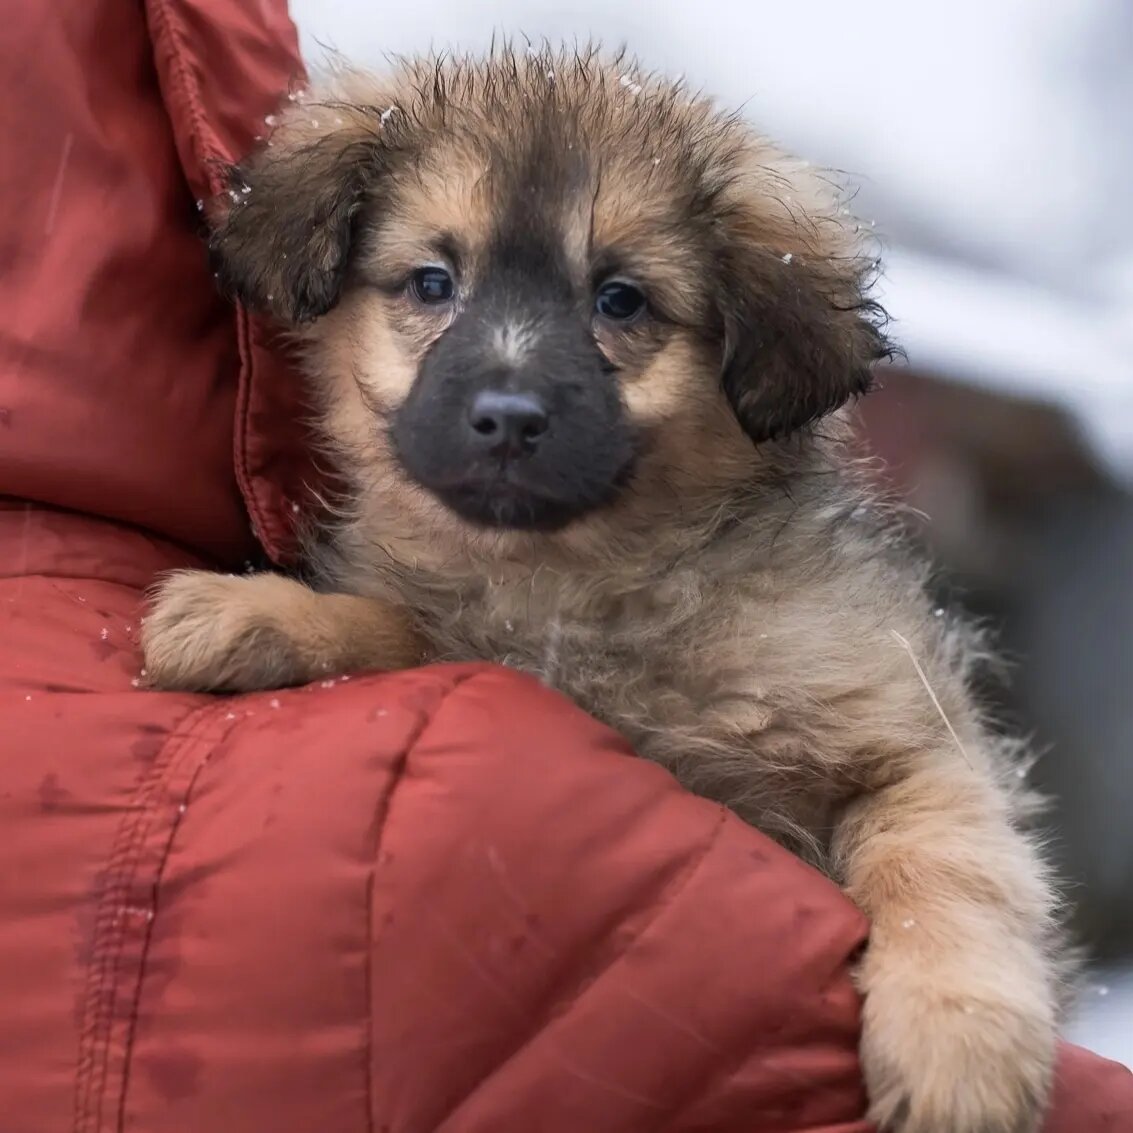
(960, 991)
(210, 632)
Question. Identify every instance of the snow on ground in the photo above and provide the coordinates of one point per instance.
(1104, 1020)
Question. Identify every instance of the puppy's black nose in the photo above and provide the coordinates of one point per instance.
(506, 424)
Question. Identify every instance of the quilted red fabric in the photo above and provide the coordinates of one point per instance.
(439, 900)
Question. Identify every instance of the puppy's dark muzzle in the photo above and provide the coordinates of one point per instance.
(528, 435)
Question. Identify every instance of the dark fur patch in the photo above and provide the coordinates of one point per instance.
(797, 346)
(283, 245)
(578, 463)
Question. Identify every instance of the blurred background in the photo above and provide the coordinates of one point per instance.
(993, 143)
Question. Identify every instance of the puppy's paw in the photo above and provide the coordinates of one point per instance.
(209, 632)
(957, 1055)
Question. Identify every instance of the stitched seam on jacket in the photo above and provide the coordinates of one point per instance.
(758, 1044)
(667, 897)
(385, 806)
(167, 33)
(158, 875)
(101, 984)
(167, 30)
(261, 518)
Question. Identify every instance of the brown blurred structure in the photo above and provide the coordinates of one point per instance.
(1035, 536)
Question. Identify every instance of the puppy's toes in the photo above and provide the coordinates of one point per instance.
(209, 632)
(956, 1060)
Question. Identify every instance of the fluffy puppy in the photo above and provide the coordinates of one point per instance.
(580, 345)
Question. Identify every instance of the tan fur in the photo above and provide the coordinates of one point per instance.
(747, 615)
(267, 631)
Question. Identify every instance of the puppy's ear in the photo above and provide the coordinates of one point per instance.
(282, 232)
(800, 334)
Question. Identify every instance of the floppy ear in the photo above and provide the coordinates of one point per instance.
(281, 241)
(800, 334)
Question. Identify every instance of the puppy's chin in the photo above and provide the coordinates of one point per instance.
(508, 502)
(502, 507)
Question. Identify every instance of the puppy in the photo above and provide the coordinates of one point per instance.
(581, 345)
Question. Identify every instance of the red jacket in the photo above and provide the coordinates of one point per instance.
(440, 900)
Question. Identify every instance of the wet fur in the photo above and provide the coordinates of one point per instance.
(748, 614)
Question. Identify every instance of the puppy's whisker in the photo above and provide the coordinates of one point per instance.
(903, 642)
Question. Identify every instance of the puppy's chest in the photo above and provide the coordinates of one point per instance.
(637, 665)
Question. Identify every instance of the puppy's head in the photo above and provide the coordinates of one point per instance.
(542, 293)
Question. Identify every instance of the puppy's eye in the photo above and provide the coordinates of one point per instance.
(619, 301)
(432, 285)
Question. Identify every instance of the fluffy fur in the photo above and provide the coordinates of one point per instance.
(743, 607)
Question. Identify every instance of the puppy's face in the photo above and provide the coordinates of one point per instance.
(542, 295)
(516, 338)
